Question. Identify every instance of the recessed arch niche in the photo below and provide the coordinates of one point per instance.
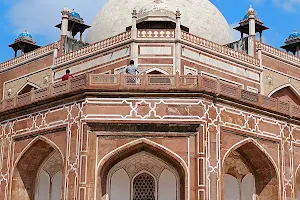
(248, 173)
(123, 167)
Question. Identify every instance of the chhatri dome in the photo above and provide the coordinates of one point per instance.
(200, 16)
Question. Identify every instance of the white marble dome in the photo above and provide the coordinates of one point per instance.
(200, 16)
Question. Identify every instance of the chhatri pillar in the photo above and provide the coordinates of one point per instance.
(64, 28)
(177, 44)
(134, 32)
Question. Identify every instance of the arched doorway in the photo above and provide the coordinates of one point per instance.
(37, 174)
(297, 184)
(286, 93)
(142, 172)
(248, 173)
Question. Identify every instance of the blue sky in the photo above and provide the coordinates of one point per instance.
(40, 16)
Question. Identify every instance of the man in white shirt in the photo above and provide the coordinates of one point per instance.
(131, 69)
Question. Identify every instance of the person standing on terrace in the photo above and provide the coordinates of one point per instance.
(131, 69)
(67, 75)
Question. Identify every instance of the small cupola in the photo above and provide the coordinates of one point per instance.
(243, 27)
(292, 43)
(75, 24)
(24, 42)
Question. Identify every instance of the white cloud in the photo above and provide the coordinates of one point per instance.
(39, 16)
(288, 5)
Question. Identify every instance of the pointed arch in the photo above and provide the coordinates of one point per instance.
(284, 86)
(260, 163)
(42, 138)
(136, 191)
(27, 87)
(250, 140)
(26, 167)
(149, 71)
(297, 183)
(286, 92)
(141, 141)
(131, 148)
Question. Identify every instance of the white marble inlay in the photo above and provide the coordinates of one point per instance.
(155, 50)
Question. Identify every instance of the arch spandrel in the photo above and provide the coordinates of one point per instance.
(24, 145)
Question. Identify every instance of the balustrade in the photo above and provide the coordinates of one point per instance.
(148, 83)
(26, 57)
(156, 33)
(279, 53)
(94, 47)
(219, 48)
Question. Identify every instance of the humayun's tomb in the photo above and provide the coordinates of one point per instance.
(206, 117)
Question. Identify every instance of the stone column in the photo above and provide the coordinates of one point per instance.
(81, 32)
(6, 186)
(64, 28)
(177, 44)
(134, 46)
(251, 43)
(260, 37)
(259, 57)
(134, 29)
(56, 46)
(212, 165)
(65, 21)
(287, 162)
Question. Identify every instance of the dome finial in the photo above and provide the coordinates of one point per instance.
(65, 11)
(251, 11)
(294, 34)
(178, 14)
(134, 13)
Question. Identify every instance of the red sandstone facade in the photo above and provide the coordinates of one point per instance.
(219, 113)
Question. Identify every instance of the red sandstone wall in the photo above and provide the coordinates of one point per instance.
(22, 70)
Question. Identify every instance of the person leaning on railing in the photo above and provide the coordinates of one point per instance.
(131, 69)
(67, 75)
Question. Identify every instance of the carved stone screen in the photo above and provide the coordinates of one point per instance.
(144, 187)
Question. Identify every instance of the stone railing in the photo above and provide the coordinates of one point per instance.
(219, 48)
(156, 33)
(279, 53)
(94, 47)
(153, 83)
(26, 57)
